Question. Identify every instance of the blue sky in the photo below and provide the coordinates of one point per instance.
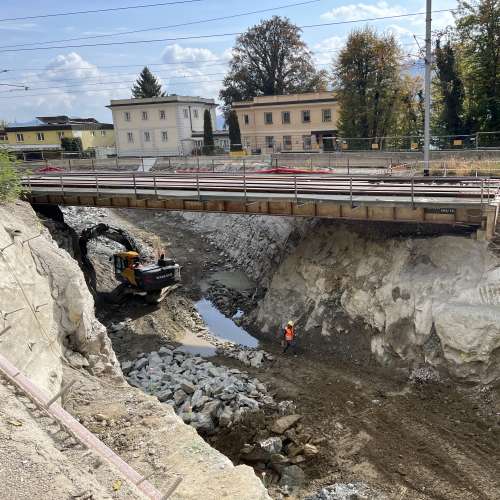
(80, 81)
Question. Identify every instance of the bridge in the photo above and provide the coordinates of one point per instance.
(468, 201)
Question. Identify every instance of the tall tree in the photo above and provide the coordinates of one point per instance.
(449, 92)
(367, 78)
(208, 135)
(234, 131)
(270, 59)
(147, 85)
(409, 113)
(478, 31)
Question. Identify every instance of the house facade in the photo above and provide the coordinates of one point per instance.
(160, 126)
(42, 137)
(295, 122)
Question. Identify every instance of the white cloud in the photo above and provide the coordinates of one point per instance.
(17, 26)
(199, 70)
(326, 50)
(355, 11)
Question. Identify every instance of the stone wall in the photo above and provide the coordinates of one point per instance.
(46, 303)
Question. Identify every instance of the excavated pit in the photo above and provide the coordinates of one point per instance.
(380, 393)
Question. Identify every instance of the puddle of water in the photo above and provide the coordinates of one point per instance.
(223, 327)
(194, 345)
(233, 279)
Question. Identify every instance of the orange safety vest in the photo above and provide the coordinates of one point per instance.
(289, 333)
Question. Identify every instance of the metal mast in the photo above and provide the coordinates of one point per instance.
(427, 84)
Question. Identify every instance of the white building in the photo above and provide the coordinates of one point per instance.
(160, 126)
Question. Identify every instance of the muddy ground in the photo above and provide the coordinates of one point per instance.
(409, 441)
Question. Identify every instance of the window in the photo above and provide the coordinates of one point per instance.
(103, 132)
(185, 113)
(327, 115)
(40, 136)
(163, 115)
(285, 117)
(269, 141)
(130, 137)
(147, 137)
(268, 118)
(3, 136)
(306, 116)
(287, 142)
(306, 141)
(195, 112)
(127, 116)
(164, 136)
(144, 115)
(60, 134)
(20, 137)
(246, 119)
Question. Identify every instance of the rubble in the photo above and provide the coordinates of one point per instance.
(347, 491)
(284, 423)
(203, 395)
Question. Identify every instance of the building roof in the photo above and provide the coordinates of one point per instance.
(281, 100)
(60, 122)
(162, 100)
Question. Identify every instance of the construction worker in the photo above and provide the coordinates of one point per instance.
(289, 337)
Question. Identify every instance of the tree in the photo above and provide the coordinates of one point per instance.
(367, 78)
(478, 32)
(409, 113)
(208, 135)
(449, 92)
(234, 131)
(147, 85)
(72, 144)
(270, 59)
(10, 183)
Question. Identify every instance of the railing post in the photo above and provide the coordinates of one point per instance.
(348, 170)
(482, 195)
(198, 185)
(198, 162)
(350, 191)
(92, 164)
(116, 161)
(245, 185)
(169, 163)
(62, 184)
(97, 184)
(154, 184)
(135, 185)
(69, 164)
(142, 163)
(295, 188)
(213, 165)
(412, 194)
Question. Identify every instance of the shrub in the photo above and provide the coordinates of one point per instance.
(10, 181)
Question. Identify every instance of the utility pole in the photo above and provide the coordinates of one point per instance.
(427, 84)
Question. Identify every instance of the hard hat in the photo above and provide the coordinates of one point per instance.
(290, 323)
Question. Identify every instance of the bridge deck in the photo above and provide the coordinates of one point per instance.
(451, 200)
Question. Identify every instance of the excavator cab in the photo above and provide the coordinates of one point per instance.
(125, 264)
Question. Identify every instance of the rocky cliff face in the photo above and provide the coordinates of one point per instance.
(432, 300)
(46, 303)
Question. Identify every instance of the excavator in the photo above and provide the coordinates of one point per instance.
(153, 281)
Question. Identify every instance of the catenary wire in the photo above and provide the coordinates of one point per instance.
(213, 35)
(110, 9)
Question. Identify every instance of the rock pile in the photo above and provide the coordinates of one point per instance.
(347, 491)
(248, 356)
(203, 395)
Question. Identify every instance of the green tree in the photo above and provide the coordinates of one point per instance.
(208, 135)
(72, 144)
(147, 85)
(409, 113)
(449, 92)
(10, 183)
(478, 33)
(270, 59)
(234, 131)
(367, 78)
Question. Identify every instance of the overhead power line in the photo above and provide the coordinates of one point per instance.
(199, 21)
(214, 35)
(111, 9)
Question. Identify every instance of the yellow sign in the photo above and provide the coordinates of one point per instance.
(458, 142)
(374, 145)
(345, 145)
(237, 154)
(414, 145)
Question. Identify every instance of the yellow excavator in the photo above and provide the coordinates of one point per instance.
(153, 281)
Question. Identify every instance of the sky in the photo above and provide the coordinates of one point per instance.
(80, 81)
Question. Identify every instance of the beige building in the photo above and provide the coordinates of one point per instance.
(295, 122)
(160, 126)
